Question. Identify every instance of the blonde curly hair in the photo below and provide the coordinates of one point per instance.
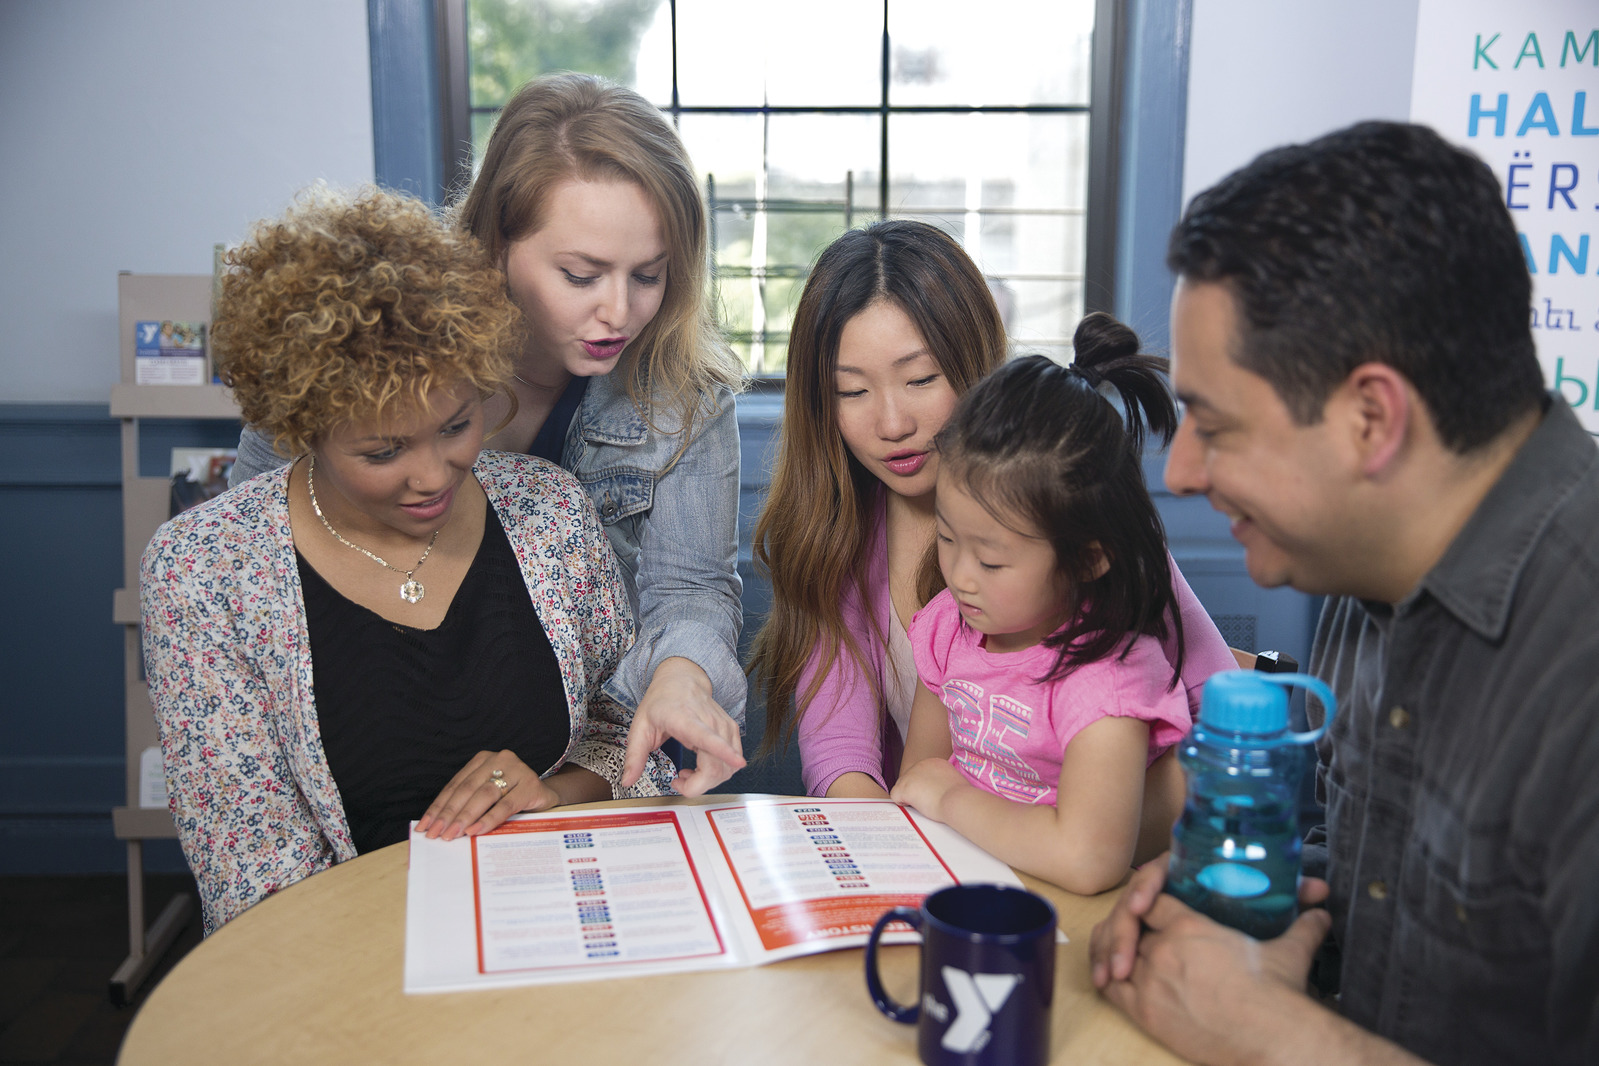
(353, 306)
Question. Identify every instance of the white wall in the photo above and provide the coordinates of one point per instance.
(134, 135)
(1269, 72)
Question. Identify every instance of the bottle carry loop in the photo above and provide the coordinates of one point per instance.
(1233, 685)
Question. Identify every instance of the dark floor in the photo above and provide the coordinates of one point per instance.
(61, 938)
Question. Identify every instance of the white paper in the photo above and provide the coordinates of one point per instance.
(152, 779)
(568, 896)
(169, 370)
(590, 896)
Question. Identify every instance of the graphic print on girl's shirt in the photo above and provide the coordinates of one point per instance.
(1010, 732)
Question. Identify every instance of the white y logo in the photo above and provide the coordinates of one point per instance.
(977, 997)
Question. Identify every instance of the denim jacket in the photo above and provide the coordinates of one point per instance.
(674, 526)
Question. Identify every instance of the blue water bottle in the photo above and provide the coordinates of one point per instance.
(1235, 850)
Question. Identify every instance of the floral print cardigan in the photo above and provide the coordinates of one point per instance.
(228, 659)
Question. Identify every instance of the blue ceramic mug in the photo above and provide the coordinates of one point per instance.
(987, 976)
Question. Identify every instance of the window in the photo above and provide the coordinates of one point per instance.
(805, 120)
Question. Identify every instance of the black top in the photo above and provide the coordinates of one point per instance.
(402, 710)
(551, 439)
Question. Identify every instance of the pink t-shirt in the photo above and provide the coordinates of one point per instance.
(1010, 732)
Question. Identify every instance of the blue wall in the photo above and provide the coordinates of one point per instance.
(1153, 137)
(61, 708)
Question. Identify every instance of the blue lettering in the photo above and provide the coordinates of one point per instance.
(1526, 251)
(1499, 113)
(1560, 384)
(1510, 189)
(1561, 318)
(1540, 106)
(1578, 106)
(1536, 53)
(1564, 191)
(1558, 249)
(1482, 56)
(1571, 46)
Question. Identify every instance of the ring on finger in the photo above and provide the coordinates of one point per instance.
(497, 779)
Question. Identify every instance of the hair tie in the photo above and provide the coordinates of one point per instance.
(1090, 375)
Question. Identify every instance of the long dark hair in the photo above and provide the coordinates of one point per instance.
(812, 533)
(1039, 443)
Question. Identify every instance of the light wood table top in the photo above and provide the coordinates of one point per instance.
(314, 974)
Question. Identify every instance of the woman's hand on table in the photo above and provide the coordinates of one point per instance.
(472, 803)
(678, 705)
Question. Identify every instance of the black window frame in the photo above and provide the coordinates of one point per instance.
(1104, 111)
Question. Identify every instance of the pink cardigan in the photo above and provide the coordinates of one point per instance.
(845, 731)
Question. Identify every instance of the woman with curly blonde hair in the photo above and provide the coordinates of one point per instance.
(587, 200)
(398, 625)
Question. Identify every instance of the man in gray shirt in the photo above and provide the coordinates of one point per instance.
(1351, 342)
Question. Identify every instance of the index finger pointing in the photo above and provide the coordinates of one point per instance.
(705, 741)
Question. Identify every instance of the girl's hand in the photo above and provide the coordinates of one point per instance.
(926, 785)
(472, 803)
(678, 705)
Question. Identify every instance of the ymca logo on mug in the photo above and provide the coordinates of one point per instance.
(987, 975)
(977, 996)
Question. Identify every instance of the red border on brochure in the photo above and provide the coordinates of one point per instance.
(762, 917)
(595, 821)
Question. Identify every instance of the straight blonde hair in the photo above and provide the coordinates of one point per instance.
(566, 127)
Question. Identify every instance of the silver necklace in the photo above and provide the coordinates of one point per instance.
(411, 591)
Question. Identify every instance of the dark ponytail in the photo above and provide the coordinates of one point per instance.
(1038, 442)
(1107, 351)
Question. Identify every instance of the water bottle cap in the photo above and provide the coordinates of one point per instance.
(1240, 701)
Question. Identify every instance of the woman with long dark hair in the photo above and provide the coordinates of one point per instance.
(895, 324)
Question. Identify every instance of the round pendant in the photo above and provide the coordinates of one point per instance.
(411, 591)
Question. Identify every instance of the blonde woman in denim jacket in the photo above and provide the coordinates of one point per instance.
(588, 201)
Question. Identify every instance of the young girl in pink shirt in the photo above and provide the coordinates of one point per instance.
(1045, 692)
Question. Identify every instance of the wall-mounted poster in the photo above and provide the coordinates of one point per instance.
(1517, 82)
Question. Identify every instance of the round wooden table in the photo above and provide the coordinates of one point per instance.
(314, 974)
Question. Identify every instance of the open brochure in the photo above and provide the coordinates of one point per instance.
(575, 895)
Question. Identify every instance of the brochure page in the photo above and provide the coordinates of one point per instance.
(596, 891)
(816, 875)
(630, 891)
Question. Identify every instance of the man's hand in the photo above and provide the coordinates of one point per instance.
(1114, 942)
(1214, 995)
(1208, 992)
(678, 705)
